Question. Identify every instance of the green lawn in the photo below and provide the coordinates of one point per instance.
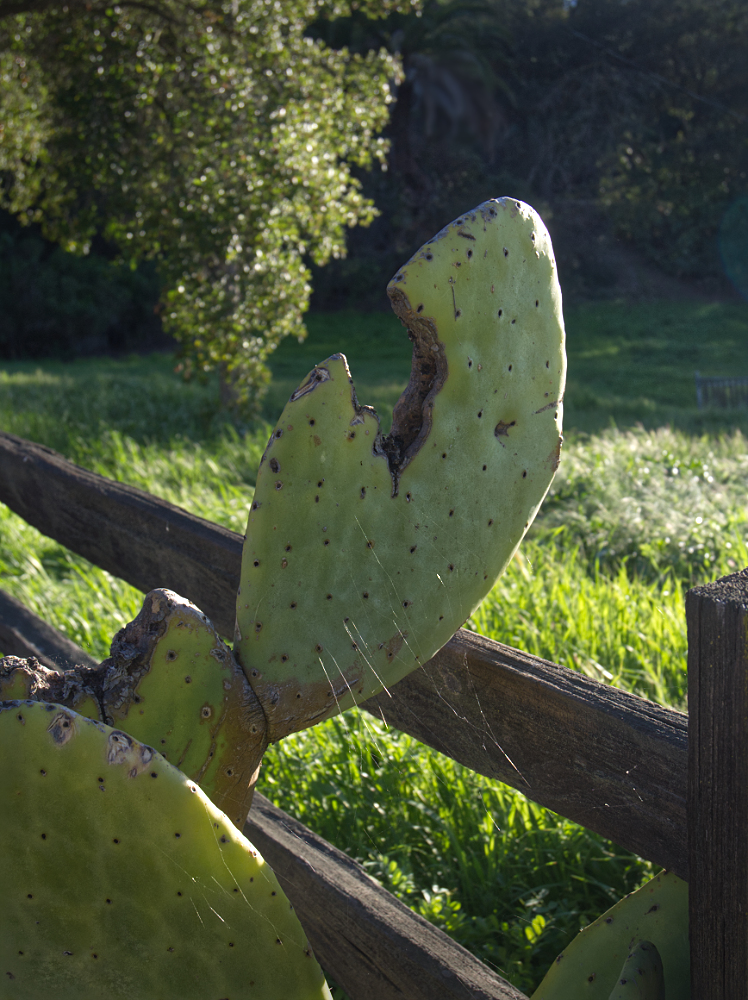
(650, 498)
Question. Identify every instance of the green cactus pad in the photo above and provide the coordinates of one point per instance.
(173, 683)
(590, 968)
(641, 977)
(121, 879)
(364, 554)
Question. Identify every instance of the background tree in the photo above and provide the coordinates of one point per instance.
(216, 139)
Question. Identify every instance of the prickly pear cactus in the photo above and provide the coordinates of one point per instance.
(121, 879)
(590, 968)
(641, 977)
(171, 682)
(365, 553)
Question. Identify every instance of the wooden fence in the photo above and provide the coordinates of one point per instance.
(723, 392)
(671, 787)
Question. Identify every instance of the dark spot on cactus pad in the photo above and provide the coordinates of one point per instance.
(171, 654)
(480, 414)
(224, 839)
(470, 253)
(284, 657)
(231, 944)
(44, 836)
(115, 841)
(278, 484)
(451, 567)
(293, 605)
(351, 435)
(591, 979)
(255, 505)
(188, 680)
(413, 548)
(451, 513)
(318, 648)
(537, 303)
(284, 563)
(279, 433)
(311, 422)
(366, 594)
(509, 368)
(608, 920)
(513, 322)
(43, 772)
(177, 835)
(501, 313)
(275, 465)
(429, 256)
(485, 467)
(458, 313)
(420, 308)
(327, 542)
(502, 428)
(490, 522)
(370, 544)
(329, 597)
(363, 492)
(256, 562)
(316, 499)
(444, 454)
(524, 474)
(60, 729)
(408, 497)
(506, 252)
(654, 908)
(258, 626)
(407, 604)
(288, 548)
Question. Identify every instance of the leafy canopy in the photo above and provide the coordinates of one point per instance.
(217, 138)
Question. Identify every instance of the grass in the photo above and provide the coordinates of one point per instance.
(649, 499)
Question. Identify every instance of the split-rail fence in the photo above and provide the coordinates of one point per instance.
(670, 786)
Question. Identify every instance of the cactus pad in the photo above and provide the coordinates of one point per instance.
(590, 968)
(172, 682)
(641, 977)
(121, 879)
(365, 553)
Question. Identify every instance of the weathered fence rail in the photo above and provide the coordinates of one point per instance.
(616, 763)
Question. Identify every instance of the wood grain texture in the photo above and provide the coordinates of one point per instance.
(717, 617)
(23, 633)
(132, 534)
(369, 942)
(607, 759)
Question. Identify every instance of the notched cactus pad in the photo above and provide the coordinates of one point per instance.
(365, 553)
(121, 879)
(591, 967)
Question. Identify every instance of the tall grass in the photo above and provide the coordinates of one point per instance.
(637, 514)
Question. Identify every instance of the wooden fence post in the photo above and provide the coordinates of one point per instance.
(717, 617)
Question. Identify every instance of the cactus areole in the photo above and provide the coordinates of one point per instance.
(365, 553)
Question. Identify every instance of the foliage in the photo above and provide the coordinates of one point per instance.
(611, 117)
(54, 303)
(216, 139)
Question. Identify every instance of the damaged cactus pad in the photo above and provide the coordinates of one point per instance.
(364, 553)
(121, 879)
(171, 682)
